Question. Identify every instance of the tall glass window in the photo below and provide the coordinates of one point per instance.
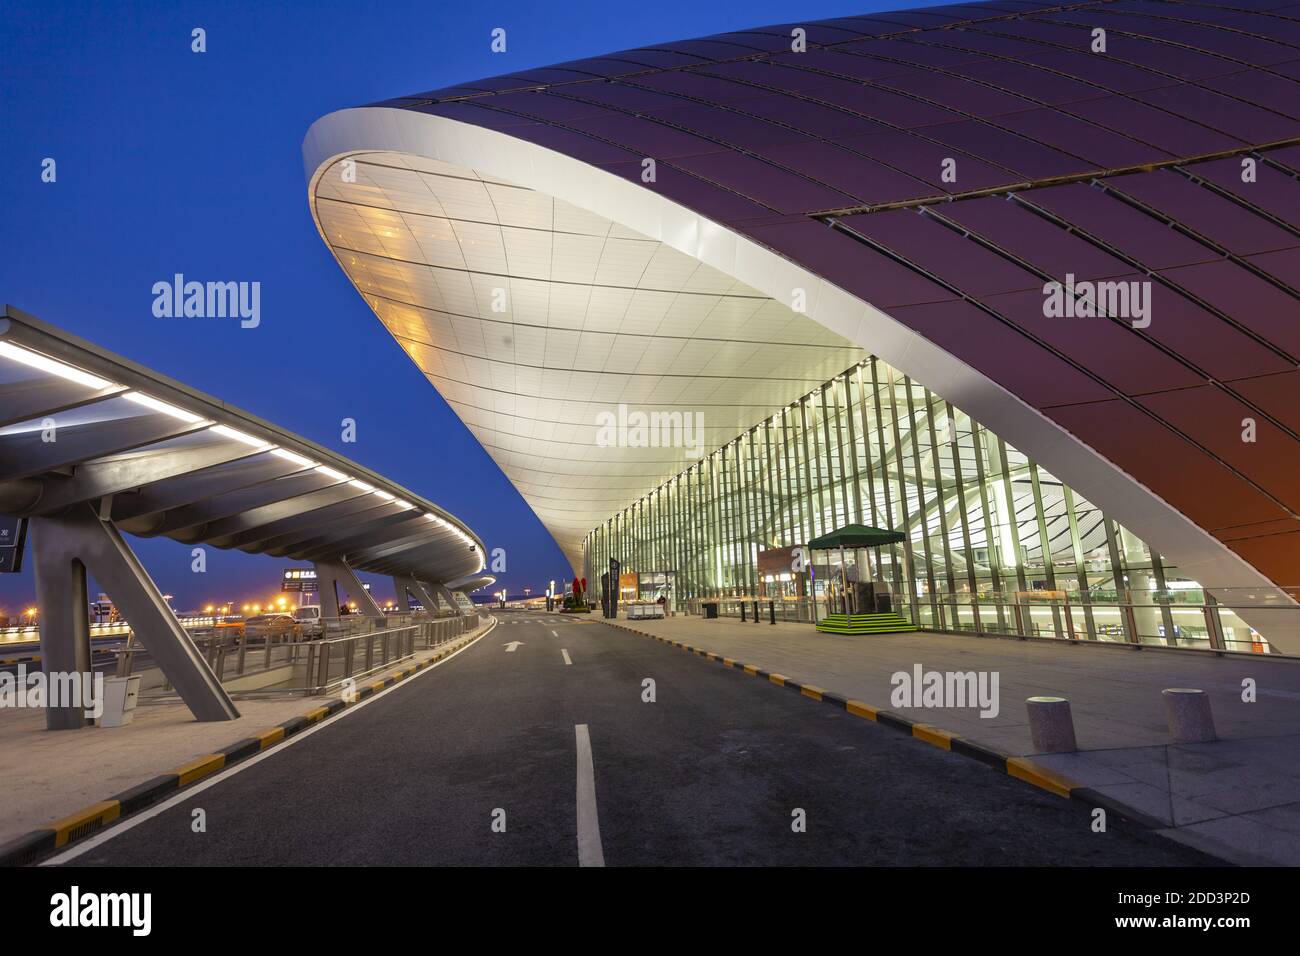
(994, 543)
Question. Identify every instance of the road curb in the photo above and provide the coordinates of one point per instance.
(1021, 768)
(40, 843)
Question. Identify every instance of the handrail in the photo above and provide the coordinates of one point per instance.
(1173, 618)
(309, 666)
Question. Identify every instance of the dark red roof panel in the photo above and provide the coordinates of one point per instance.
(1208, 492)
(1115, 351)
(925, 160)
(1270, 189)
(1119, 225)
(971, 268)
(1003, 353)
(1152, 124)
(1042, 243)
(966, 96)
(1044, 85)
(1230, 225)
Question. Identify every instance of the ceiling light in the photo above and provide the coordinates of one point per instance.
(357, 483)
(148, 401)
(239, 436)
(53, 367)
(293, 457)
(330, 472)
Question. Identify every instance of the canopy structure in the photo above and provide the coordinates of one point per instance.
(856, 536)
(93, 445)
(80, 426)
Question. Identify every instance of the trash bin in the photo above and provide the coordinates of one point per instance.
(120, 696)
(711, 609)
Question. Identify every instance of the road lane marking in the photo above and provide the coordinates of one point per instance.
(512, 646)
(183, 796)
(565, 652)
(590, 852)
(553, 634)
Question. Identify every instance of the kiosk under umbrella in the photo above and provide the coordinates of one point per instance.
(856, 602)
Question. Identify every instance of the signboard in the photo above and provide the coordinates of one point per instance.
(610, 600)
(13, 535)
(776, 561)
(1041, 594)
(298, 579)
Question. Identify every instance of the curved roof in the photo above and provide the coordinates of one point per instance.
(918, 177)
(160, 458)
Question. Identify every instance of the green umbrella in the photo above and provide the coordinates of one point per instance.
(855, 536)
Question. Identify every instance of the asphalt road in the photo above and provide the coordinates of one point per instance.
(708, 774)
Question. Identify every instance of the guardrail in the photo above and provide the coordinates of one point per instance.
(31, 633)
(266, 666)
(1187, 619)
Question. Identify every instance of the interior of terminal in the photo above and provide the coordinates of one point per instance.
(992, 542)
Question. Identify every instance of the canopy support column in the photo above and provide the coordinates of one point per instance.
(65, 548)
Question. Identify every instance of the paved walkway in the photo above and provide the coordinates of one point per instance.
(50, 774)
(1238, 797)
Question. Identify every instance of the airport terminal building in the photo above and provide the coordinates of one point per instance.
(1014, 280)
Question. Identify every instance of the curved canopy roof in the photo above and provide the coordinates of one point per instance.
(913, 181)
(159, 458)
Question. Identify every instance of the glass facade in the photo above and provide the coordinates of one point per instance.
(994, 543)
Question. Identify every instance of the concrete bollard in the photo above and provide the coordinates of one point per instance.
(1188, 713)
(1051, 725)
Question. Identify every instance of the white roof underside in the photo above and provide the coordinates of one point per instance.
(589, 315)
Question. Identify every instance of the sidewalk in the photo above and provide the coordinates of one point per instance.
(1238, 797)
(50, 774)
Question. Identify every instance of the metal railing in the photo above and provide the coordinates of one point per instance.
(1177, 619)
(350, 649)
(31, 633)
(1189, 619)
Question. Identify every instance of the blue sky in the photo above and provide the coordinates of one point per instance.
(171, 161)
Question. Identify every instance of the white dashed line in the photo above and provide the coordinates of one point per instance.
(590, 852)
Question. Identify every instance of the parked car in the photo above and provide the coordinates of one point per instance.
(309, 619)
(229, 631)
(277, 626)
